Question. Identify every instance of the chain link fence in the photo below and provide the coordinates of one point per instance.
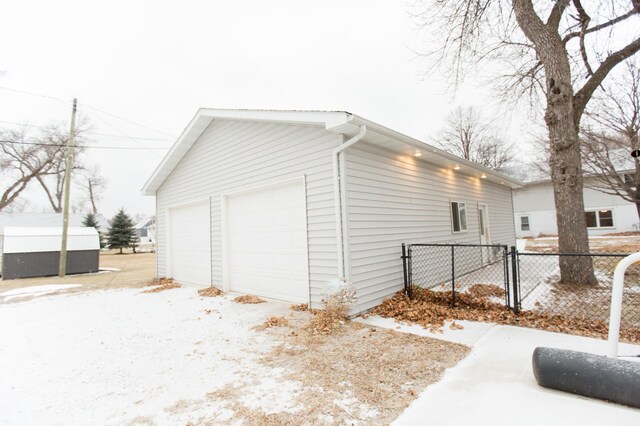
(456, 267)
(540, 288)
(530, 280)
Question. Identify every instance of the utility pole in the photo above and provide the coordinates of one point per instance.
(67, 188)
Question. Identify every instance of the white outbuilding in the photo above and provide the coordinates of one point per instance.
(35, 251)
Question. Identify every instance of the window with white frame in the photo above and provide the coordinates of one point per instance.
(458, 216)
(524, 223)
(599, 218)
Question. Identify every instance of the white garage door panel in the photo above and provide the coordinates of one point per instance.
(267, 242)
(189, 244)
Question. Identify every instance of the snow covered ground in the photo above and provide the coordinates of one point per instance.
(125, 357)
(495, 385)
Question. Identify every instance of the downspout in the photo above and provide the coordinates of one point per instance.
(338, 199)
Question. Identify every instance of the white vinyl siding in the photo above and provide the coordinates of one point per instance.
(394, 199)
(237, 155)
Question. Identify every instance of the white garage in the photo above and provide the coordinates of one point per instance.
(300, 199)
(189, 254)
(266, 242)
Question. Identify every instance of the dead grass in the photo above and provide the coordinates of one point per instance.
(162, 284)
(210, 292)
(357, 375)
(248, 299)
(378, 371)
(431, 309)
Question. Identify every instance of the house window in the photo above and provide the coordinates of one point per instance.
(599, 219)
(524, 223)
(143, 232)
(459, 216)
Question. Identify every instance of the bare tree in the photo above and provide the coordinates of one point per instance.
(21, 162)
(614, 132)
(56, 138)
(473, 138)
(558, 50)
(93, 184)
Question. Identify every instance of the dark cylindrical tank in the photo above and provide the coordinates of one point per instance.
(589, 375)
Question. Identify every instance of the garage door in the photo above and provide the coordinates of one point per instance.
(267, 242)
(190, 244)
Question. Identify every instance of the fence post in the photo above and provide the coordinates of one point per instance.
(514, 268)
(407, 287)
(507, 289)
(453, 277)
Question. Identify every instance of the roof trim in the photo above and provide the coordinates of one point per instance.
(334, 121)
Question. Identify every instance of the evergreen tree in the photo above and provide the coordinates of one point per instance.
(122, 232)
(90, 221)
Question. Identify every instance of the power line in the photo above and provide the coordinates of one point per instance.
(80, 147)
(128, 121)
(23, 92)
(68, 102)
(87, 133)
(123, 133)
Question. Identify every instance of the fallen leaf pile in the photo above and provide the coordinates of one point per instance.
(274, 322)
(162, 284)
(486, 290)
(248, 299)
(303, 307)
(334, 315)
(210, 292)
(431, 309)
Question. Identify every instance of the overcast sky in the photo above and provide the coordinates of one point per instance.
(155, 63)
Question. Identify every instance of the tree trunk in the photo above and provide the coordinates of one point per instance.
(565, 162)
(564, 149)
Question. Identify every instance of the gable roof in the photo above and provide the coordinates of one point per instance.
(338, 122)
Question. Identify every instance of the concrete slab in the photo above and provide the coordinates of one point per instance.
(495, 385)
(468, 335)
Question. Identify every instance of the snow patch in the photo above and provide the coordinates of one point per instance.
(38, 290)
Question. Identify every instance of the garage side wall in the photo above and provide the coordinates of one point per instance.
(394, 199)
(236, 155)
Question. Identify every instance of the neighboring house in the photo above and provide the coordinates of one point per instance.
(146, 233)
(262, 202)
(535, 212)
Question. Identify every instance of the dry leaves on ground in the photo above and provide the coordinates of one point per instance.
(486, 290)
(431, 309)
(302, 307)
(210, 292)
(162, 285)
(248, 299)
(335, 313)
(273, 322)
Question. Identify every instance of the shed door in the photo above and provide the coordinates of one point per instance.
(190, 244)
(267, 242)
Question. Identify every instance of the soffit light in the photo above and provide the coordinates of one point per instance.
(483, 176)
(418, 153)
(456, 167)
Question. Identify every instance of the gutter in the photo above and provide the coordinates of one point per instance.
(339, 208)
